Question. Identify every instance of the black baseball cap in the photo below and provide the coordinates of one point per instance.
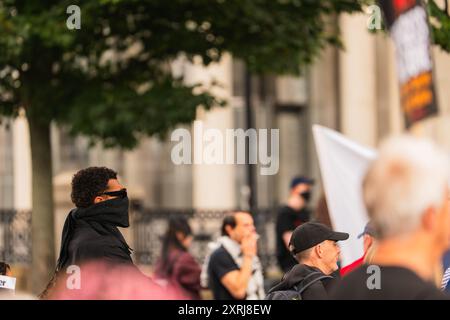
(310, 234)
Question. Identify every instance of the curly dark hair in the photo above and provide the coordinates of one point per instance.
(89, 183)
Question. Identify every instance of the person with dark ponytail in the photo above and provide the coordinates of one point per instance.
(176, 264)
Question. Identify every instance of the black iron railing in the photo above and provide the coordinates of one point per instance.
(15, 236)
(148, 226)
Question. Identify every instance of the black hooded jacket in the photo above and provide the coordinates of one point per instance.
(317, 291)
(92, 234)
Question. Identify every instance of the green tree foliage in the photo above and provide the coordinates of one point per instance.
(440, 23)
(88, 80)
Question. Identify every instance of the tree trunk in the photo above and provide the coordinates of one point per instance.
(43, 231)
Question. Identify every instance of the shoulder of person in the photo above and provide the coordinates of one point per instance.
(221, 258)
(184, 257)
(96, 247)
(432, 293)
(283, 210)
(183, 260)
(219, 253)
(100, 245)
(316, 291)
(83, 229)
(284, 218)
(187, 265)
(318, 285)
(84, 234)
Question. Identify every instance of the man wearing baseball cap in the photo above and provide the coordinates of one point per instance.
(369, 241)
(315, 247)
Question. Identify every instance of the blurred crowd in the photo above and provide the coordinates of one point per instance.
(405, 243)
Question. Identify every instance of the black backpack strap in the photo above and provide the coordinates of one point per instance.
(309, 280)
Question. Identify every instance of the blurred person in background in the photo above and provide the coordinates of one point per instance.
(291, 216)
(369, 244)
(176, 264)
(5, 269)
(315, 247)
(104, 281)
(7, 282)
(406, 195)
(445, 280)
(233, 270)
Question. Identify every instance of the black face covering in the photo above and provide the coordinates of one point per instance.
(103, 217)
(306, 195)
(113, 212)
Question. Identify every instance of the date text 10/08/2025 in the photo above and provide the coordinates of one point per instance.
(226, 309)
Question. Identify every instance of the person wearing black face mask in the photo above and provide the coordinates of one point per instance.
(291, 216)
(91, 231)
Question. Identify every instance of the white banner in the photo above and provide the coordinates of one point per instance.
(343, 164)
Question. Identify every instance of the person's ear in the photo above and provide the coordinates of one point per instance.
(98, 199)
(228, 230)
(319, 250)
(367, 242)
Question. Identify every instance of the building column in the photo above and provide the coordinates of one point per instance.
(323, 106)
(213, 184)
(22, 164)
(357, 78)
(390, 116)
